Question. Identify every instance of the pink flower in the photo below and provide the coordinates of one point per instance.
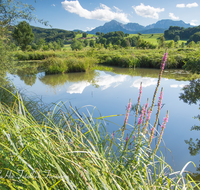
(127, 138)
(164, 59)
(141, 116)
(165, 120)
(113, 134)
(160, 99)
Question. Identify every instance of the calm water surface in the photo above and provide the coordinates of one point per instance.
(110, 92)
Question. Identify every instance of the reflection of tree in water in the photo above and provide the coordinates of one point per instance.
(191, 92)
(61, 79)
(28, 75)
(191, 95)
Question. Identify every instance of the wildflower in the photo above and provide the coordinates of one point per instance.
(113, 134)
(164, 59)
(127, 138)
(141, 116)
(160, 99)
(139, 97)
(127, 113)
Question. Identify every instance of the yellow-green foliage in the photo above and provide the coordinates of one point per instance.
(130, 57)
(65, 65)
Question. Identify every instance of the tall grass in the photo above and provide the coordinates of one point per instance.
(66, 65)
(62, 149)
(130, 58)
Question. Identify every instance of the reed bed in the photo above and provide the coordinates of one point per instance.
(131, 58)
(61, 149)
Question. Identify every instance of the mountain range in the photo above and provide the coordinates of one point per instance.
(134, 28)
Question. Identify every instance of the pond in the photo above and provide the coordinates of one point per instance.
(109, 93)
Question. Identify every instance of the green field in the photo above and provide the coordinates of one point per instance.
(154, 37)
(81, 35)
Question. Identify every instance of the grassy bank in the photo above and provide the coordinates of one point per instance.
(60, 149)
(130, 58)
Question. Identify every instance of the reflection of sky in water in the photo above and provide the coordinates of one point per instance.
(111, 94)
(146, 81)
(107, 81)
(176, 85)
(104, 82)
(77, 87)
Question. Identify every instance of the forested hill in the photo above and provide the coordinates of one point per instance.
(51, 34)
(183, 33)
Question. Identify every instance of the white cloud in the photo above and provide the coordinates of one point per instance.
(90, 28)
(174, 86)
(146, 81)
(147, 11)
(173, 17)
(194, 22)
(180, 5)
(103, 13)
(117, 9)
(53, 5)
(78, 88)
(107, 80)
(190, 5)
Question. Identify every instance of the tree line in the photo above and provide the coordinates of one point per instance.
(189, 34)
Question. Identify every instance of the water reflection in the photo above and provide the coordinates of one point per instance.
(146, 81)
(28, 75)
(191, 95)
(109, 92)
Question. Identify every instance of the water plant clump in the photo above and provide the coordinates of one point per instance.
(66, 150)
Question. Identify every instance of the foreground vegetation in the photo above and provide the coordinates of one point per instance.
(60, 149)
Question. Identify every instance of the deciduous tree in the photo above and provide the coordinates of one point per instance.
(23, 34)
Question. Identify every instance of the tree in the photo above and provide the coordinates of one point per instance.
(176, 38)
(10, 11)
(191, 44)
(125, 43)
(195, 37)
(161, 42)
(170, 44)
(86, 42)
(41, 43)
(84, 35)
(92, 43)
(23, 34)
(98, 33)
(76, 45)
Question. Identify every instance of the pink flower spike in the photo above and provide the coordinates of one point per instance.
(113, 134)
(127, 138)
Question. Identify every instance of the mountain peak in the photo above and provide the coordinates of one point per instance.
(132, 28)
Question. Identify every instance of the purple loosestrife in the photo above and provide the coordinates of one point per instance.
(126, 118)
(127, 138)
(112, 138)
(165, 120)
(164, 59)
(140, 120)
(127, 113)
(147, 120)
(137, 109)
(145, 111)
(157, 115)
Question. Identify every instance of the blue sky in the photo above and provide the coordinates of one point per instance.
(88, 14)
